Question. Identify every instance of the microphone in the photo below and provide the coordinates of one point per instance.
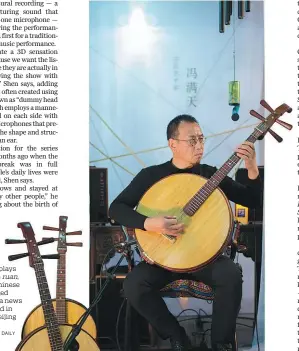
(125, 244)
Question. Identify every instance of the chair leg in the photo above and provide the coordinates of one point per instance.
(235, 345)
(153, 336)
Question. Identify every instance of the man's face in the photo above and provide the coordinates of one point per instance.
(188, 145)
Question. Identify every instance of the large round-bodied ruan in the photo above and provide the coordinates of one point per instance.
(206, 233)
(38, 340)
(74, 310)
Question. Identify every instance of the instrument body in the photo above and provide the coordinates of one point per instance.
(67, 311)
(74, 310)
(38, 340)
(206, 234)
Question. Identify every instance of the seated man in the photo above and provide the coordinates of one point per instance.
(143, 284)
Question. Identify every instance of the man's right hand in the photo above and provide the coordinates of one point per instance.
(164, 225)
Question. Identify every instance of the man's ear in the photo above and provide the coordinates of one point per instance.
(172, 144)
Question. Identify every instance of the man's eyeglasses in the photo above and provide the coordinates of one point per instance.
(193, 141)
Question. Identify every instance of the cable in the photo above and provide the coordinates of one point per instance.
(188, 319)
(203, 340)
(117, 325)
(79, 320)
(101, 270)
(104, 263)
(200, 324)
(203, 312)
(187, 309)
(204, 335)
(239, 317)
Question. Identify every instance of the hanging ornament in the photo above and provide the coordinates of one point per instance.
(241, 9)
(234, 93)
(247, 6)
(234, 86)
(221, 16)
(234, 98)
(225, 12)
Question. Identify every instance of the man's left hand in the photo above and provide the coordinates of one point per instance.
(246, 152)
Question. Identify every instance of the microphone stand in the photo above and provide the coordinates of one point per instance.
(70, 343)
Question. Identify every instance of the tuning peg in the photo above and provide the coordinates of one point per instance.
(46, 241)
(266, 106)
(50, 228)
(260, 117)
(79, 232)
(282, 123)
(74, 244)
(16, 257)
(15, 241)
(54, 239)
(51, 257)
(270, 109)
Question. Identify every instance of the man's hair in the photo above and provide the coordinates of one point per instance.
(173, 125)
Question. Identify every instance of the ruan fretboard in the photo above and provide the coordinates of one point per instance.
(48, 309)
(200, 197)
(60, 290)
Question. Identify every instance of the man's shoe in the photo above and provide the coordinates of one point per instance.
(223, 347)
(177, 345)
(181, 343)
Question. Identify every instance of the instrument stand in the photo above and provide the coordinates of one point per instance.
(70, 343)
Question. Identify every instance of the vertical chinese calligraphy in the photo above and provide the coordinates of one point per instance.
(175, 73)
(191, 87)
